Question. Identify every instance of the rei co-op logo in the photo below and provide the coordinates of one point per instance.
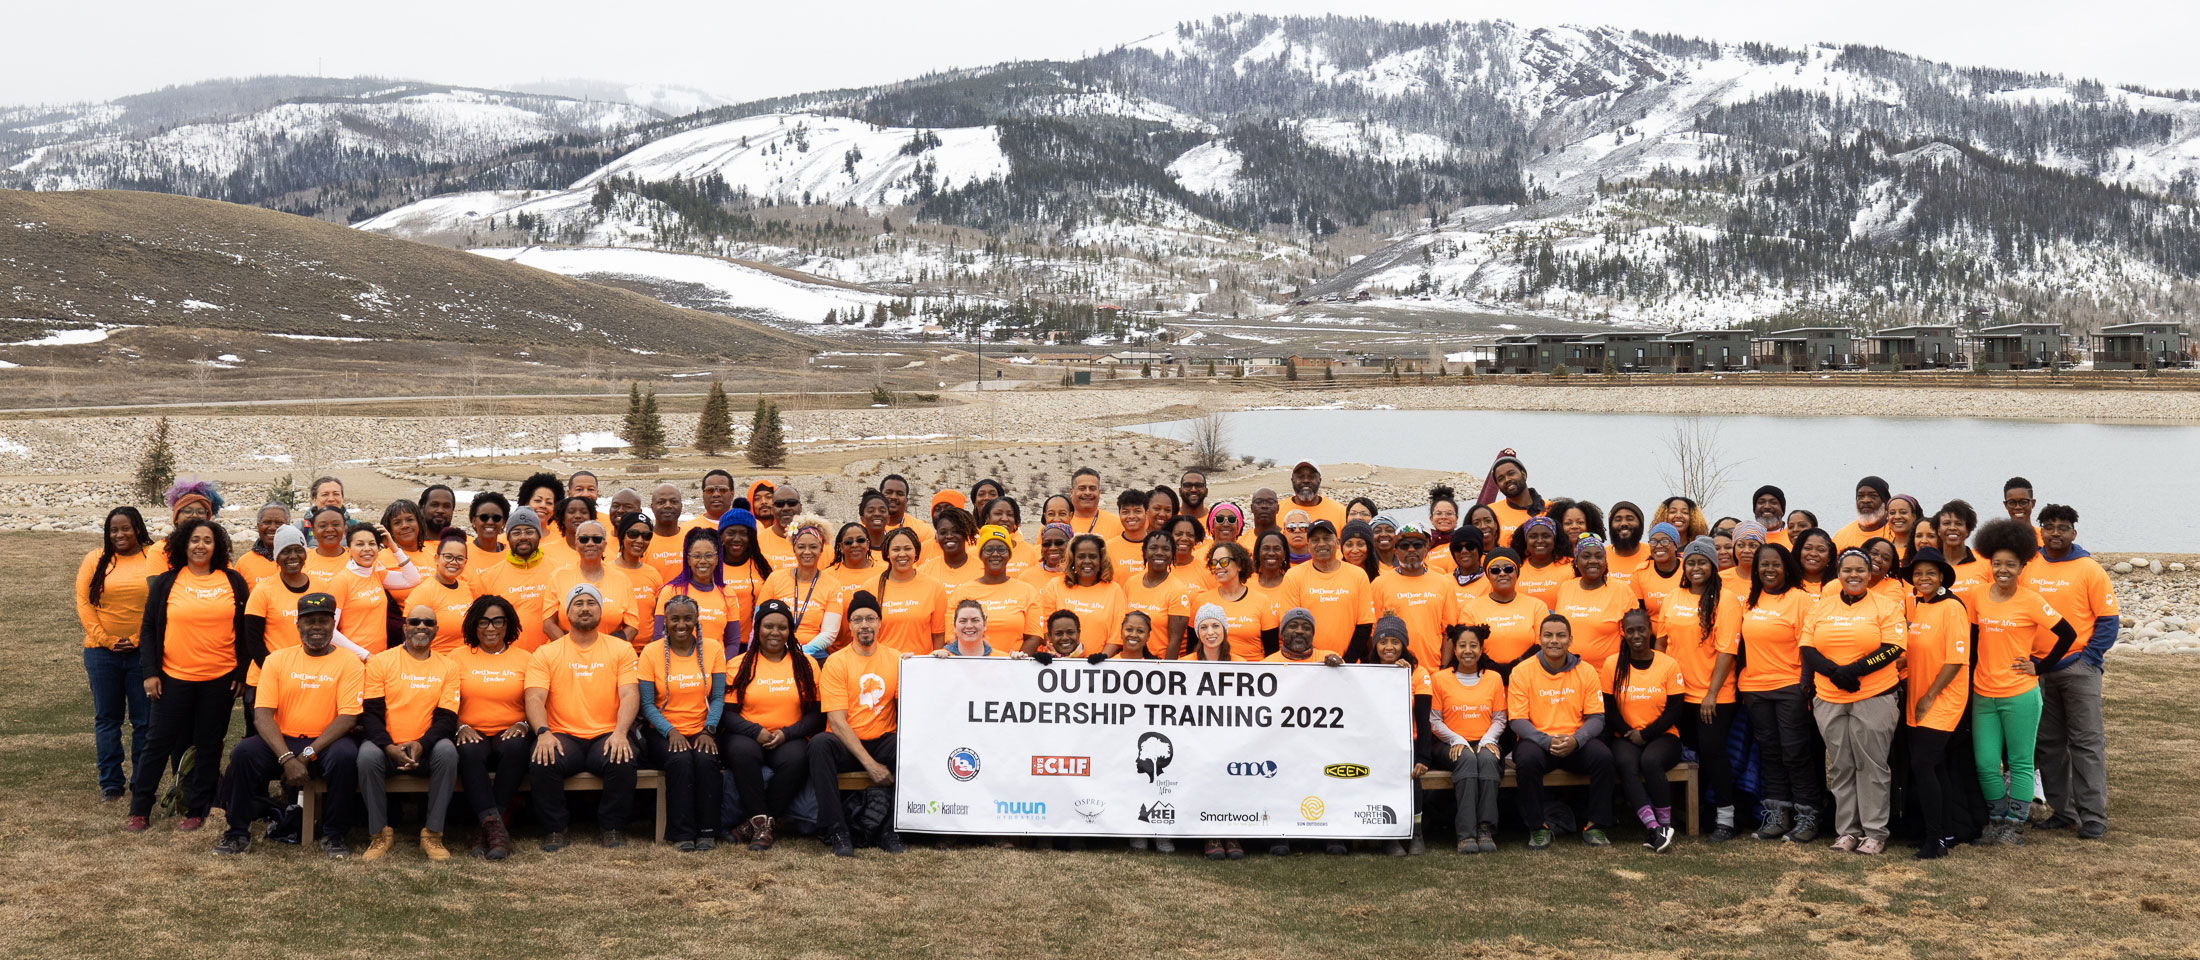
(1253, 768)
(1344, 771)
(962, 764)
(1157, 813)
(1155, 751)
(1311, 809)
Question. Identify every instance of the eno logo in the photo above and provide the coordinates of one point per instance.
(1061, 766)
(1253, 768)
(962, 764)
(1344, 771)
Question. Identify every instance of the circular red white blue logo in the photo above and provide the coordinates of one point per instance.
(962, 764)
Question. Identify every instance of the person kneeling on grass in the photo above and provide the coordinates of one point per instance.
(1295, 636)
(410, 714)
(859, 688)
(1554, 702)
(307, 702)
(583, 693)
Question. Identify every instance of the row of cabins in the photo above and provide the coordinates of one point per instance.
(2016, 346)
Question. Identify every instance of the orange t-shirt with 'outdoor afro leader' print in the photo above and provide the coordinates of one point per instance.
(201, 640)
(307, 693)
(583, 684)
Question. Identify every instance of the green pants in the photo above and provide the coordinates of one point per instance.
(2005, 725)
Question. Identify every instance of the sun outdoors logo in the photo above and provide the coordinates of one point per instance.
(1376, 813)
(1157, 813)
(1155, 751)
(1312, 808)
(1032, 810)
(1252, 768)
(1344, 771)
(1090, 809)
(935, 808)
(1061, 766)
(962, 764)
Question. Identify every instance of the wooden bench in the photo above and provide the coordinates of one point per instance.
(310, 796)
(1684, 773)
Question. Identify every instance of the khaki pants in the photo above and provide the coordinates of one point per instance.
(1858, 737)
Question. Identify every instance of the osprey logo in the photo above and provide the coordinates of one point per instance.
(962, 764)
(1253, 768)
(1090, 809)
(1157, 813)
(1155, 751)
(1344, 771)
(1376, 813)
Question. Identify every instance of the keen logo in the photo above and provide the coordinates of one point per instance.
(1344, 771)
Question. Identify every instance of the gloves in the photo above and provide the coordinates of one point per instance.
(1096, 658)
(1845, 677)
(1044, 657)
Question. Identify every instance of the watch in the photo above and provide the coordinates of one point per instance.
(308, 753)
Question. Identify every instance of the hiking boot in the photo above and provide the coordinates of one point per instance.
(1233, 850)
(1467, 845)
(1846, 843)
(1164, 845)
(1280, 848)
(1806, 824)
(1774, 822)
(431, 843)
(2012, 833)
(379, 846)
(890, 842)
(233, 843)
(759, 829)
(554, 841)
(1415, 847)
(188, 824)
(136, 824)
(1721, 833)
(495, 842)
(1933, 849)
(2054, 823)
(110, 796)
(837, 838)
(1392, 848)
(1485, 841)
(1336, 849)
(1594, 837)
(2093, 831)
(706, 843)
(1871, 846)
(1215, 850)
(1540, 839)
(611, 839)
(1661, 839)
(1138, 844)
(334, 847)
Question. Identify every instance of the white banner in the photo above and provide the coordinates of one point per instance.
(1130, 748)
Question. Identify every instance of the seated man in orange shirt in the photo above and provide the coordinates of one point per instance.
(411, 714)
(308, 700)
(582, 692)
(1555, 706)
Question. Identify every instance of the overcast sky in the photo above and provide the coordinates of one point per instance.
(745, 49)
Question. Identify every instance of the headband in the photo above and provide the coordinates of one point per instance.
(1544, 522)
(1588, 541)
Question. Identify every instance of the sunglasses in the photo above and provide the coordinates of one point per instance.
(786, 503)
(1501, 571)
(1297, 527)
(1219, 562)
(584, 538)
(488, 518)
(852, 541)
(421, 621)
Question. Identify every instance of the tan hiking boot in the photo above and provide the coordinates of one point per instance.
(431, 843)
(379, 847)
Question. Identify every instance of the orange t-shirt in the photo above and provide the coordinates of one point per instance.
(1554, 703)
(1173, 598)
(1647, 688)
(308, 693)
(683, 683)
(1104, 524)
(1621, 569)
(1128, 557)
(323, 569)
(478, 561)
(1767, 642)
(1467, 709)
(935, 566)
(1244, 619)
(492, 688)
(1595, 616)
(2021, 626)
(278, 605)
(714, 611)
(744, 589)
(1542, 582)
(121, 610)
(1653, 587)
(1323, 509)
(1972, 576)
(847, 582)
(1854, 535)
(1515, 625)
(1509, 519)
(618, 597)
(411, 690)
(1340, 601)
(810, 600)
(365, 607)
(583, 684)
(2078, 589)
(254, 568)
(1844, 631)
(1463, 592)
(450, 605)
(1940, 634)
(775, 548)
(1038, 575)
(1425, 603)
(1698, 654)
(772, 700)
(642, 584)
(200, 642)
(1099, 609)
(665, 553)
(423, 559)
(1314, 657)
(1011, 611)
(911, 614)
(867, 688)
(529, 590)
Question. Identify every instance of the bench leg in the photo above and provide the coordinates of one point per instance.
(309, 807)
(661, 781)
(1695, 799)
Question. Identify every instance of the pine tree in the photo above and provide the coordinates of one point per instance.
(630, 428)
(714, 429)
(1210, 366)
(768, 445)
(1291, 368)
(756, 420)
(156, 466)
(648, 442)
(1145, 370)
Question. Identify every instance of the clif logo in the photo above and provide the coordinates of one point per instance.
(1061, 766)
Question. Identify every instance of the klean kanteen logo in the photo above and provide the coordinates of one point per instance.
(1344, 771)
(1061, 766)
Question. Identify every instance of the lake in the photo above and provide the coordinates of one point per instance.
(2131, 484)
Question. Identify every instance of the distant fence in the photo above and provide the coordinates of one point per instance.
(1843, 378)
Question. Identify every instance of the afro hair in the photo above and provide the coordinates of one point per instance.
(2014, 536)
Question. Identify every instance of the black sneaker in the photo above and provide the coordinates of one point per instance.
(612, 839)
(334, 847)
(890, 842)
(1336, 849)
(233, 843)
(1661, 839)
(1280, 848)
(2093, 831)
(1932, 849)
(1721, 833)
(284, 828)
(838, 839)
(554, 841)
(110, 796)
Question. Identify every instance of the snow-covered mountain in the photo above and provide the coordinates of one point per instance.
(668, 99)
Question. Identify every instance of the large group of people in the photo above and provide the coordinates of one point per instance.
(1904, 667)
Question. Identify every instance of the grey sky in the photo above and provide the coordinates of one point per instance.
(744, 49)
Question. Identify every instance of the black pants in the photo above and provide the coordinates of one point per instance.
(790, 763)
(1711, 743)
(1792, 768)
(1592, 758)
(693, 788)
(832, 760)
(1932, 781)
(190, 714)
(507, 759)
(1642, 769)
(578, 756)
(252, 765)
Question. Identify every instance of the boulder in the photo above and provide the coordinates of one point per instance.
(2122, 566)
(2177, 567)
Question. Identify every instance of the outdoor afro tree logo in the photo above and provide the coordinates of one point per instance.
(962, 764)
(1155, 750)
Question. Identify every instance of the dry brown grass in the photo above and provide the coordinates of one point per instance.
(78, 886)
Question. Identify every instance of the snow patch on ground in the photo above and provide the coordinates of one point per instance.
(731, 285)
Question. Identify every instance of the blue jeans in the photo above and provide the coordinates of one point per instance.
(118, 684)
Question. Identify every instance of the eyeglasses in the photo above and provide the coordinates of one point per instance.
(420, 621)
(584, 538)
(2015, 502)
(488, 518)
(498, 620)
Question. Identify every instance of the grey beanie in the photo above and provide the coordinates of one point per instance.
(1297, 613)
(1705, 546)
(523, 517)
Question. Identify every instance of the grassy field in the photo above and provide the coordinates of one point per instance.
(79, 886)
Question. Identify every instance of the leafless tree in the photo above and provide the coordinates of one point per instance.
(1209, 437)
(1694, 466)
